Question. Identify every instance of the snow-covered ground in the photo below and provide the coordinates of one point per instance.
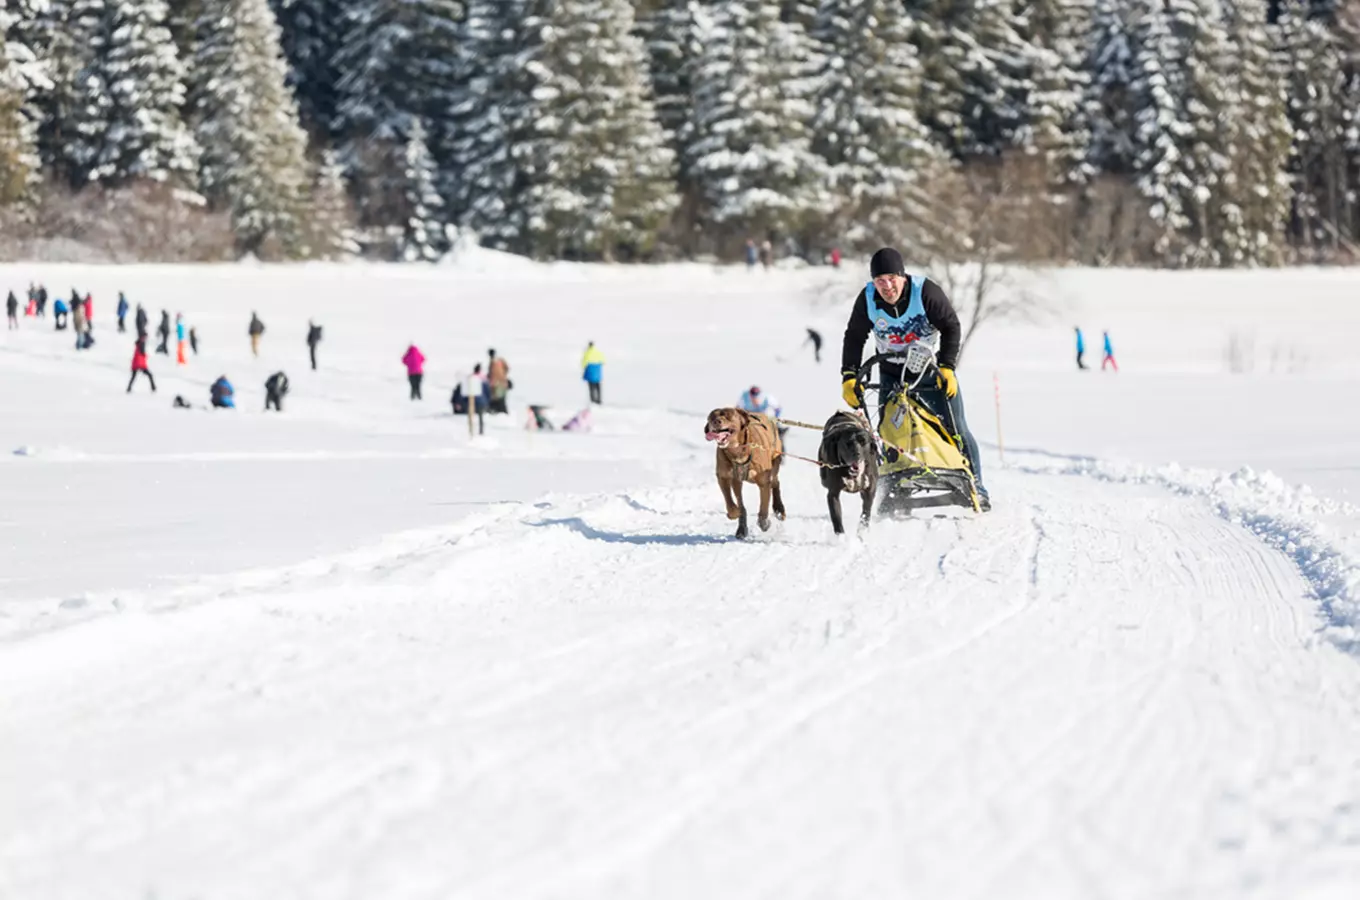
(348, 652)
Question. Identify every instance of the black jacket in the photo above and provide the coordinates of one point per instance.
(939, 311)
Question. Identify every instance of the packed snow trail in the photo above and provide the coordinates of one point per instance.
(1097, 690)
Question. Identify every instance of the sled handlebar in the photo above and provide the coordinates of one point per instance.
(897, 359)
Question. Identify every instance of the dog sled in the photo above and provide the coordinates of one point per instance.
(921, 460)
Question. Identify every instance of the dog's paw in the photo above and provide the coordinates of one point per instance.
(764, 523)
(741, 532)
(780, 514)
(734, 514)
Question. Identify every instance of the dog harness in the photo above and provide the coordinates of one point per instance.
(894, 329)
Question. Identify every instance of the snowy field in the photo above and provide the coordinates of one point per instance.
(348, 652)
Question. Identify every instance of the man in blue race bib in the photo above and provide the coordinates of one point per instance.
(899, 310)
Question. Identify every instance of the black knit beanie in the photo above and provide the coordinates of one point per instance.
(886, 261)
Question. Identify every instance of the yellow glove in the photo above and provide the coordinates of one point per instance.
(951, 384)
(848, 391)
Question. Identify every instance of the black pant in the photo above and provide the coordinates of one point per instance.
(164, 345)
(1081, 362)
(193, 344)
(133, 379)
(122, 326)
(275, 399)
(415, 378)
(311, 348)
(595, 392)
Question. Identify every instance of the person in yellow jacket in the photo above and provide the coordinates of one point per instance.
(592, 370)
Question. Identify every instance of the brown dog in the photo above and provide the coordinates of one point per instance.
(749, 449)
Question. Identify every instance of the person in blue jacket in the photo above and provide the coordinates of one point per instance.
(122, 311)
(592, 370)
(757, 401)
(1081, 348)
(222, 393)
(1108, 358)
(60, 311)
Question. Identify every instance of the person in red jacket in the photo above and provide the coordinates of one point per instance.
(139, 365)
(415, 369)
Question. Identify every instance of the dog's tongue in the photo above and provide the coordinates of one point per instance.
(712, 435)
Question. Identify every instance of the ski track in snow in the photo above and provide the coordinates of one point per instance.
(1111, 690)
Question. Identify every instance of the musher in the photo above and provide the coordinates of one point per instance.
(899, 309)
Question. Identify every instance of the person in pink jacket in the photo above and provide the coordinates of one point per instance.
(415, 369)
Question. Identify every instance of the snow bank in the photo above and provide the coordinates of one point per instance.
(1287, 518)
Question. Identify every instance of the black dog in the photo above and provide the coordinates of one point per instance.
(850, 465)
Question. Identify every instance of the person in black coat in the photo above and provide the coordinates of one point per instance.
(164, 331)
(313, 338)
(275, 388)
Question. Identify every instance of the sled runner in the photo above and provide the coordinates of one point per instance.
(921, 463)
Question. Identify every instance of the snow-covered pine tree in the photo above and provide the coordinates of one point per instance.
(20, 75)
(1203, 159)
(313, 31)
(750, 148)
(1160, 126)
(878, 153)
(974, 74)
(1317, 88)
(1110, 64)
(1257, 211)
(425, 237)
(1051, 33)
(63, 50)
(671, 47)
(594, 172)
(487, 119)
(332, 218)
(254, 150)
(398, 62)
(125, 123)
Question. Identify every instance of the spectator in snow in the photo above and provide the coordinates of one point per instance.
(139, 321)
(78, 318)
(815, 338)
(255, 331)
(835, 257)
(766, 254)
(1108, 359)
(164, 331)
(222, 394)
(592, 370)
(193, 340)
(754, 400)
(11, 312)
(89, 310)
(42, 301)
(180, 336)
(59, 314)
(415, 369)
(498, 379)
(313, 338)
(274, 390)
(1081, 347)
(476, 386)
(139, 365)
(751, 254)
(122, 312)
